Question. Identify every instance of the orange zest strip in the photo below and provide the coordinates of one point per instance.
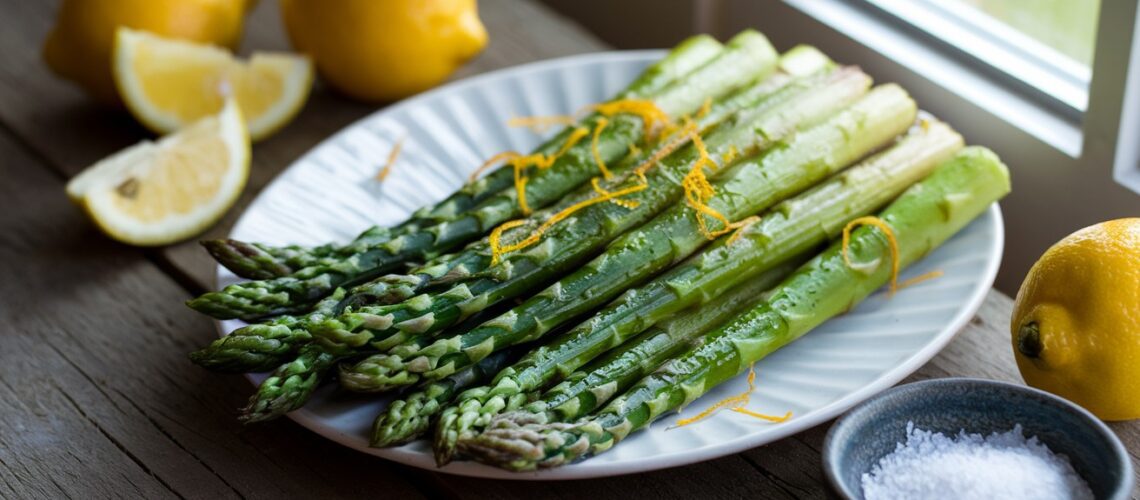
(667, 149)
(596, 183)
(540, 123)
(544, 162)
(739, 400)
(740, 226)
(771, 418)
(705, 108)
(602, 122)
(520, 188)
(871, 220)
(652, 117)
(492, 161)
(498, 250)
(920, 278)
(698, 191)
(520, 164)
(730, 155)
(497, 234)
(392, 156)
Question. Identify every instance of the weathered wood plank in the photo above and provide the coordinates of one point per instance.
(97, 395)
(70, 132)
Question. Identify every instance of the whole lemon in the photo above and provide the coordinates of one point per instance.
(79, 46)
(1076, 320)
(385, 50)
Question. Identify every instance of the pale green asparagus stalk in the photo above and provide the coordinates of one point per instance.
(920, 220)
(743, 190)
(746, 57)
(794, 227)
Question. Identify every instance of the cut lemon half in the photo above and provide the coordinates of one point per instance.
(168, 83)
(155, 193)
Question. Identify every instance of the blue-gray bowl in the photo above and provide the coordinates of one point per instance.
(872, 430)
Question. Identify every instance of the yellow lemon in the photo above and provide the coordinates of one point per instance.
(79, 46)
(385, 50)
(169, 83)
(155, 193)
(1076, 320)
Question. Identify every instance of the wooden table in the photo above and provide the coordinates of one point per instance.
(97, 397)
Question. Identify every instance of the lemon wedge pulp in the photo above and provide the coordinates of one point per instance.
(168, 83)
(155, 193)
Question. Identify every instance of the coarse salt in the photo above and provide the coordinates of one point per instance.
(1006, 466)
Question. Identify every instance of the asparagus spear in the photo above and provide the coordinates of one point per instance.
(408, 418)
(294, 381)
(258, 261)
(745, 57)
(795, 226)
(262, 347)
(748, 187)
(921, 219)
(450, 269)
(290, 386)
(584, 390)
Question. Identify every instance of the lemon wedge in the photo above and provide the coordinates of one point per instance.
(155, 193)
(168, 83)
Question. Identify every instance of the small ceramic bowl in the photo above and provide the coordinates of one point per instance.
(872, 430)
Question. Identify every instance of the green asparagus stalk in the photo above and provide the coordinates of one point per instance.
(921, 219)
(409, 417)
(294, 381)
(745, 189)
(450, 269)
(745, 57)
(794, 227)
(585, 390)
(264, 346)
(258, 261)
(290, 386)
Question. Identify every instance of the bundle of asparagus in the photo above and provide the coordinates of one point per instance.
(571, 296)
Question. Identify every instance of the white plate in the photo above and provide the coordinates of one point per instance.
(329, 195)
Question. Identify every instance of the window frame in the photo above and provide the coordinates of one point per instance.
(1067, 173)
(1100, 139)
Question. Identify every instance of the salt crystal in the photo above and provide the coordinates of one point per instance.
(1006, 466)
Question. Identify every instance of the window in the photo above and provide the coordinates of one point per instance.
(1053, 86)
(1044, 46)
(1067, 26)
